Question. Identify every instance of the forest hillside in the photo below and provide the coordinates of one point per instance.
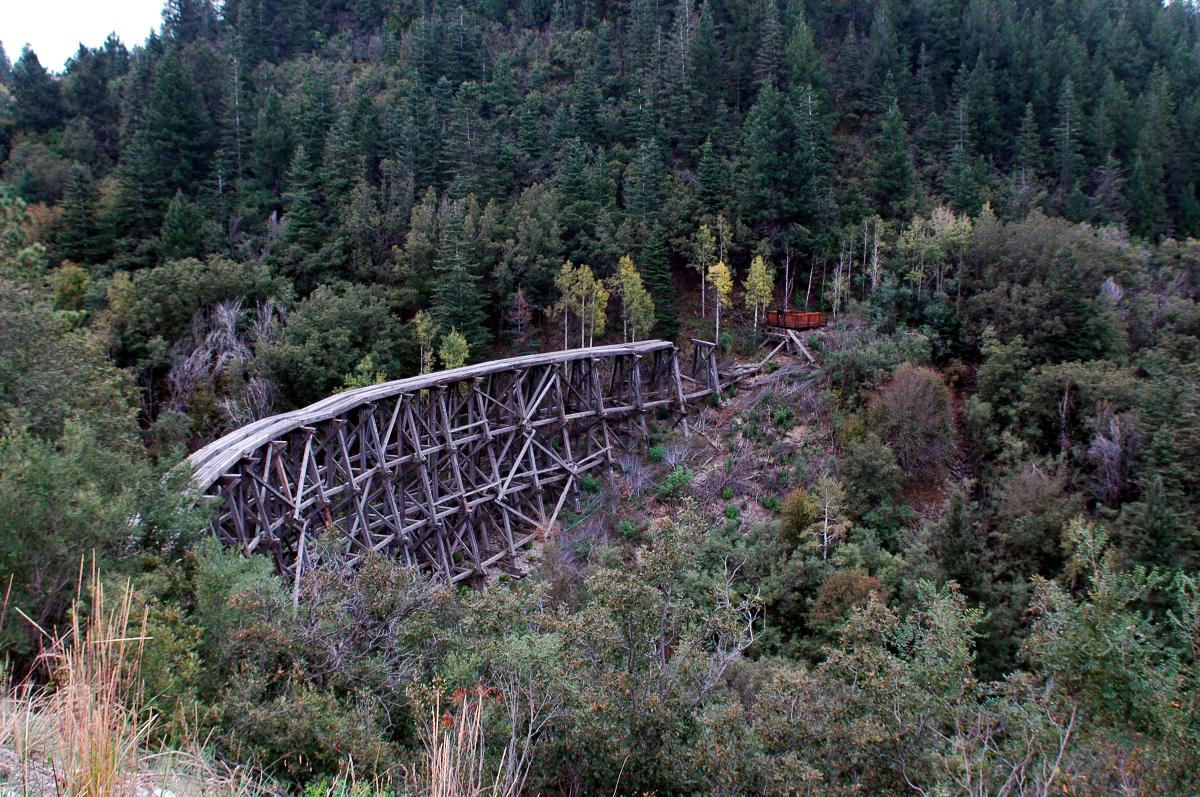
(957, 552)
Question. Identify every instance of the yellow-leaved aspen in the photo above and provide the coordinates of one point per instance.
(722, 282)
(760, 287)
(454, 350)
(637, 307)
(424, 332)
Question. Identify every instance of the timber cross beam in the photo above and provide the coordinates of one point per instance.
(451, 472)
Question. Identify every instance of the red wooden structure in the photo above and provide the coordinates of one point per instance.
(796, 319)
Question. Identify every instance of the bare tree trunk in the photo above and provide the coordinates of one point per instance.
(808, 292)
(787, 276)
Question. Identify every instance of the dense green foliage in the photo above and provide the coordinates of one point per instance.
(959, 554)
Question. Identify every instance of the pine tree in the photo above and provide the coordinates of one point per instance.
(801, 62)
(962, 180)
(78, 231)
(707, 72)
(177, 131)
(342, 166)
(272, 144)
(884, 59)
(765, 173)
(585, 105)
(768, 58)
(457, 296)
(712, 181)
(316, 112)
(984, 110)
(39, 103)
(5, 67)
(643, 186)
(186, 21)
(1147, 199)
(642, 36)
(305, 228)
(656, 270)
(578, 209)
(1107, 200)
(1028, 160)
(895, 179)
(182, 233)
(1068, 161)
(529, 133)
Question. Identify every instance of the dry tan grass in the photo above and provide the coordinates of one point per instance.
(454, 764)
(85, 733)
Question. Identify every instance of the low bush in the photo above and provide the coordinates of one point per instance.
(676, 484)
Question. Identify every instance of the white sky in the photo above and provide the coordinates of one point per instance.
(55, 28)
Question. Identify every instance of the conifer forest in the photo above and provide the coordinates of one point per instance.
(945, 542)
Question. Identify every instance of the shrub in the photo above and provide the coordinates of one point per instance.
(796, 514)
(627, 529)
(589, 484)
(912, 414)
(676, 483)
(732, 512)
(874, 481)
(841, 592)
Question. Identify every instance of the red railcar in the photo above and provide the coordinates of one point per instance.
(796, 319)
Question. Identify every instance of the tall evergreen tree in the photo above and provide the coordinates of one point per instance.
(78, 231)
(182, 233)
(712, 181)
(765, 175)
(707, 73)
(457, 296)
(963, 183)
(186, 21)
(304, 218)
(643, 186)
(1028, 160)
(39, 103)
(656, 272)
(802, 65)
(177, 132)
(768, 58)
(1068, 160)
(5, 67)
(272, 144)
(895, 183)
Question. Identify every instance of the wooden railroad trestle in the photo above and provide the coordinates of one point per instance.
(453, 471)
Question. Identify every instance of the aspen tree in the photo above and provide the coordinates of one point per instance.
(760, 287)
(637, 308)
(454, 350)
(425, 331)
(722, 283)
(704, 254)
